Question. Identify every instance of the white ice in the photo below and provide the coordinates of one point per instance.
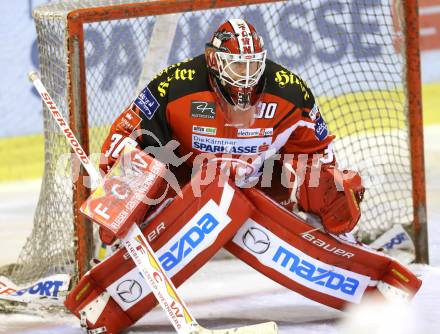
(228, 293)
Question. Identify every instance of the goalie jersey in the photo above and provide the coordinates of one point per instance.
(180, 104)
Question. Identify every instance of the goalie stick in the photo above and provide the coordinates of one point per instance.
(141, 252)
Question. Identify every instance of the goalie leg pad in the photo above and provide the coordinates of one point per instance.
(185, 235)
(315, 264)
(96, 309)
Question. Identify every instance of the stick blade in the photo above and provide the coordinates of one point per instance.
(263, 328)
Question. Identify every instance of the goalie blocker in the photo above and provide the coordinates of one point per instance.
(125, 194)
(279, 244)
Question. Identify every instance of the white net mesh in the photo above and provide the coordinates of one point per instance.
(50, 248)
(345, 50)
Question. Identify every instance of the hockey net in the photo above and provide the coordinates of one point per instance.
(94, 56)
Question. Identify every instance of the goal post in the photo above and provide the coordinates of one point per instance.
(415, 111)
(92, 54)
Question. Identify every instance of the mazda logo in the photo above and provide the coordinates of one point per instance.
(256, 240)
(129, 291)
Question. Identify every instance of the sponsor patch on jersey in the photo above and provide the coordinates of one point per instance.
(129, 120)
(204, 130)
(240, 146)
(321, 129)
(258, 132)
(147, 103)
(178, 74)
(314, 112)
(203, 109)
(286, 78)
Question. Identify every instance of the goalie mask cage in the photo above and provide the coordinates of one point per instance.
(360, 58)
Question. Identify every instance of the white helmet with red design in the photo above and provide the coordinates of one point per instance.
(236, 60)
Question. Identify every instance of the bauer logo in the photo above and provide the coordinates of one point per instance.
(325, 245)
(147, 103)
(197, 235)
(300, 268)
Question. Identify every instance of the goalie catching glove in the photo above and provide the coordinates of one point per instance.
(329, 193)
(335, 200)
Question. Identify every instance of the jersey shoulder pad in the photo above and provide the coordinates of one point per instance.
(287, 85)
(180, 79)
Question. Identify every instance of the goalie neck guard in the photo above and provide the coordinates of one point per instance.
(236, 60)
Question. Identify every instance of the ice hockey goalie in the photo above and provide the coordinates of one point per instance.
(246, 146)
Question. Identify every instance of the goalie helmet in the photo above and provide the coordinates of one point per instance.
(236, 60)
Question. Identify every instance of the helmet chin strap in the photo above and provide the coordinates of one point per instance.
(222, 82)
(243, 99)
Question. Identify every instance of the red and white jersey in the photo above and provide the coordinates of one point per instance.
(179, 104)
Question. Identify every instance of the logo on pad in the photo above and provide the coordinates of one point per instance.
(129, 291)
(256, 240)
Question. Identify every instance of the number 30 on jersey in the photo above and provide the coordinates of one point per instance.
(266, 110)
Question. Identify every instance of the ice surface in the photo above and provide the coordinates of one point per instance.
(235, 295)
